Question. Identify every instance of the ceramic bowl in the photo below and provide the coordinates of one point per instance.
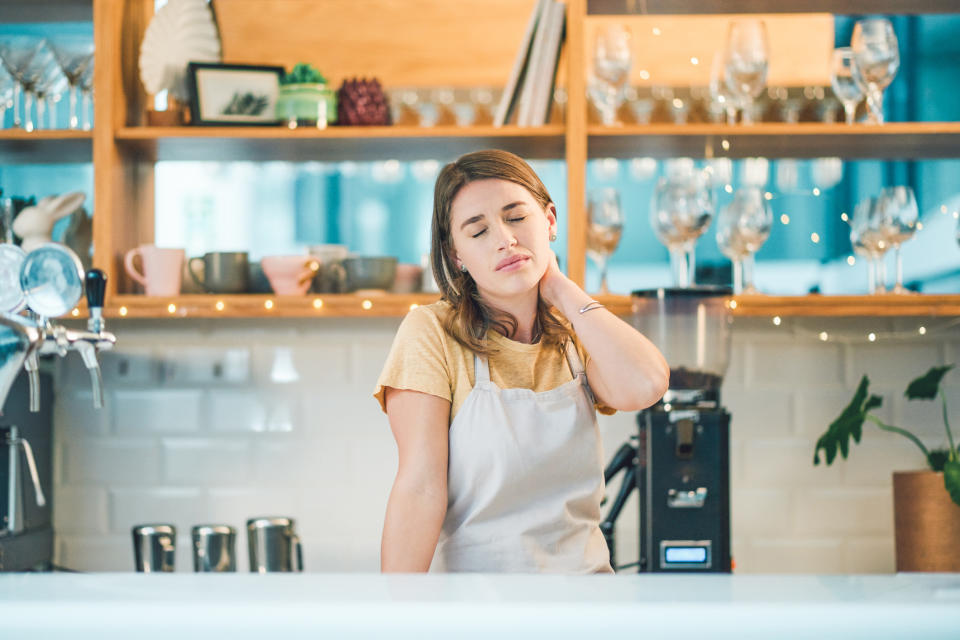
(370, 272)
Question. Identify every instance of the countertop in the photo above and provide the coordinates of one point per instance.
(126, 605)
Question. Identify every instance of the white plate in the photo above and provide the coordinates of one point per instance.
(182, 31)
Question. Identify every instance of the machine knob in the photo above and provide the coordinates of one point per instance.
(96, 287)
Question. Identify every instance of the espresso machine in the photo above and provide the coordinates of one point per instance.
(679, 461)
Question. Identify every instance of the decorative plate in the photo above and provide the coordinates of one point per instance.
(182, 31)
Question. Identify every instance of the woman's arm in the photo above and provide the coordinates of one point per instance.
(626, 371)
(418, 501)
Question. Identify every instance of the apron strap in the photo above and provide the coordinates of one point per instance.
(481, 370)
(573, 359)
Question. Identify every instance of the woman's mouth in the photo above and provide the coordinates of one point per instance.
(512, 263)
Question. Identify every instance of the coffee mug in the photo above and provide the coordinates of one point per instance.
(273, 545)
(154, 547)
(162, 269)
(290, 275)
(223, 271)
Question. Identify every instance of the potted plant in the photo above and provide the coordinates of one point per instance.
(305, 99)
(926, 504)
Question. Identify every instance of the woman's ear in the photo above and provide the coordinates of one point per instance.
(551, 213)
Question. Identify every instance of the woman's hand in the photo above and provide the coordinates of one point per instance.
(552, 281)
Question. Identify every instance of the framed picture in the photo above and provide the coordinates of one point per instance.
(233, 94)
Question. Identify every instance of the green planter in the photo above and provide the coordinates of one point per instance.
(303, 105)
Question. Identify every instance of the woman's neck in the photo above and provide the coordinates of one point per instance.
(524, 310)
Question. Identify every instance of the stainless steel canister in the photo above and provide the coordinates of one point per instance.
(154, 547)
(274, 545)
(214, 547)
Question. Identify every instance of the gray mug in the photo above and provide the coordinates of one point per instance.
(223, 272)
(273, 545)
(154, 547)
(214, 548)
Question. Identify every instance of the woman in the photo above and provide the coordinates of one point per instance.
(500, 464)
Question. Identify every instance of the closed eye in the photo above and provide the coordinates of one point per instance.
(479, 233)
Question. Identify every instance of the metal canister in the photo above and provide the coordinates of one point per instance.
(214, 548)
(154, 547)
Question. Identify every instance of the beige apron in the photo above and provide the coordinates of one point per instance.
(525, 480)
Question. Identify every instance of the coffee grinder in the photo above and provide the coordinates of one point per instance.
(679, 461)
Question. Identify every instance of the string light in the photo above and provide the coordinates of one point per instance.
(171, 308)
(824, 336)
(728, 188)
(366, 304)
(851, 260)
(785, 219)
(75, 312)
(694, 61)
(123, 311)
(777, 320)
(725, 144)
(872, 337)
(219, 305)
(656, 31)
(844, 217)
(268, 305)
(816, 191)
(768, 196)
(922, 330)
(413, 306)
(644, 74)
(733, 304)
(317, 303)
(815, 237)
(854, 336)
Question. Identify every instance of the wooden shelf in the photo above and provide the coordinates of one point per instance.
(841, 7)
(339, 143)
(18, 11)
(45, 146)
(824, 306)
(897, 140)
(265, 306)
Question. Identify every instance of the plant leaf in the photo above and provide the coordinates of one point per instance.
(849, 424)
(925, 387)
(951, 480)
(937, 458)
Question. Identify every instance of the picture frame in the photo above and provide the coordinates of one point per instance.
(233, 94)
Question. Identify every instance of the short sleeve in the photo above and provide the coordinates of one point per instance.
(417, 359)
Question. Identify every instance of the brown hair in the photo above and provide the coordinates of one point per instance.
(472, 317)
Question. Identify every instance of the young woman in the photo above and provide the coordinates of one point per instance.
(487, 390)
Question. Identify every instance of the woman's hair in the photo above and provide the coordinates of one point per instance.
(472, 317)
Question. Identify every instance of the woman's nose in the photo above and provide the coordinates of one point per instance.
(505, 237)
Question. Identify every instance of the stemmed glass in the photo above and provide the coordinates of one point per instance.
(876, 61)
(745, 62)
(742, 228)
(7, 85)
(681, 211)
(844, 85)
(612, 60)
(898, 206)
(48, 89)
(870, 241)
(17, 54)
(74, 54)
(86, 95)
(604, 228)
(718, 88)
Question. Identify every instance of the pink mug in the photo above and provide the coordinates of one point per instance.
(162, 269)
(290, 275)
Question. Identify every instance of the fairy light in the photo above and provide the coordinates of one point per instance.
(816, 191)
(728, 188)
(922, 330)
(644, 74)
(677, 103)
(845, 217)
(413, 306)
(815, 237)
(956, 214)
(725, 144)
(776, 320)
(872, 337)
(75, 312)
(824, 336)
(317, 303)
(171, 308)
(366, 304)
(656, 31)
(919, 226)
(768, 196)
(219, 306)
(851, 260)
(918, 332)
(733, 304)
(943, 208)
(268, 305)
(123, 311)
(694, 60)
(785, 219)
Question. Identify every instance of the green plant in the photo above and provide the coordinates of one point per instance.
(303, 73)
(850, 425)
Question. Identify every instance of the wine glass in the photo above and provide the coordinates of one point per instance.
(718, 89)
(681, 211)
(604, 228)
(86, 96)
(876, 61)
(7, 84)
(898, 206)
(49, 86)
(870, 241)
(742, 228)
(73, 53)
(841, 79)
(17, 54)
(612, 60)
(745, 63)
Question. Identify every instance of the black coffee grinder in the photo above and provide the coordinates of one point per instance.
(679, 461)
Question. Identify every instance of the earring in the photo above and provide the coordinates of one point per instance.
(553, 237)
(463, 267)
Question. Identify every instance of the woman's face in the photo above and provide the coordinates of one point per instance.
(502, 235)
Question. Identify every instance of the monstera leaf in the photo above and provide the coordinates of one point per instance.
(926, 386)
(848, 425)
(951, 479)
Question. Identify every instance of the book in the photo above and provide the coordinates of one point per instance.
(509, 99)
(535, 65)
(547, 73)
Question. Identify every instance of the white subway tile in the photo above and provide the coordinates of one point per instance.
(181, 507)
(817, 408)
(924, 418)
(130, 366)
(867, 554)
(893, 365)
(341, 555)
(79, 510)
(73, 411)
(794, 365)
(761, 512)
(792, 554)
(786, 462)
(204, 461)
(843, 511)
(872, 462)
(766, 412)
(197, 364)
(95, 553)
(326, 363)
(275, 409)
(156, 411)
(129, 462)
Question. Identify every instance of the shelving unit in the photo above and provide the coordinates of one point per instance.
(124, 150)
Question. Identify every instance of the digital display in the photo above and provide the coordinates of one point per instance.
(685, 554)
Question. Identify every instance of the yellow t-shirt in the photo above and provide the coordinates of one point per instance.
(425, 358)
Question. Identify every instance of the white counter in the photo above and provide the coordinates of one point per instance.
(478, 606)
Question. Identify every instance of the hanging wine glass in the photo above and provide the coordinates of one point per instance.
(7, 84)
(48, 88)
(680, 213)
(745, 63)
(742, 228)
(870, 241)
(719, 93)
(604, 228)
(86, 96)
(844, 85)
(898, 206)
(17, 54)
(612, 59)
(74, 53)
(876, 57)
